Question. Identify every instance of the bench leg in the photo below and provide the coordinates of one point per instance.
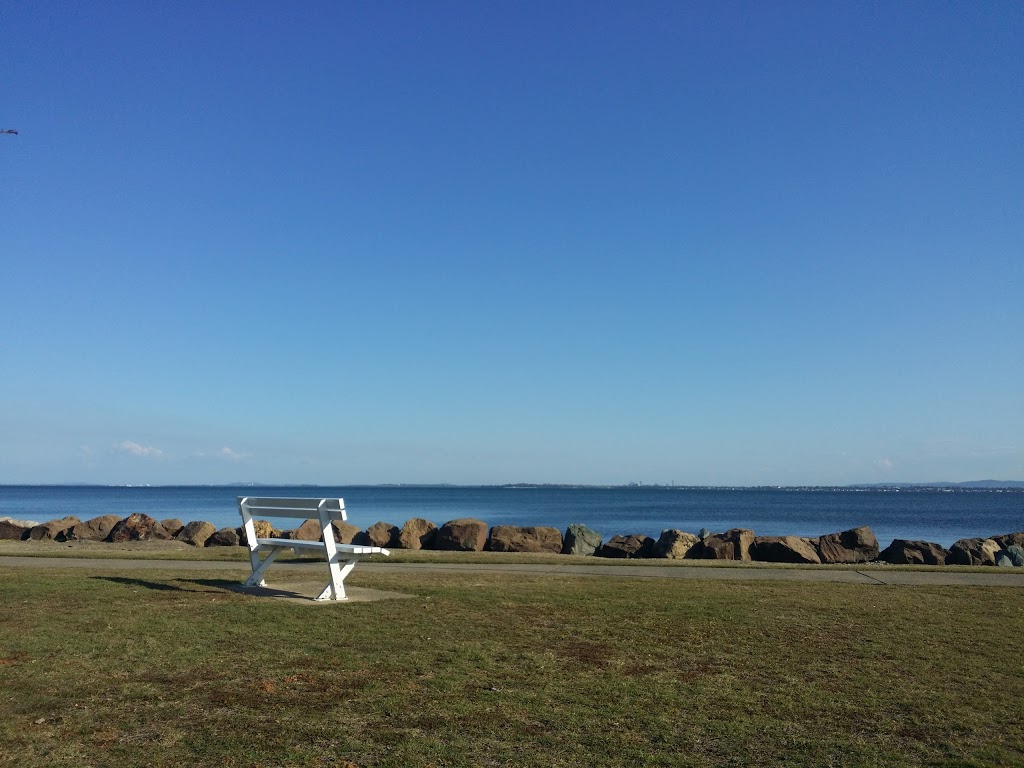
(335, 589)
(256, 580)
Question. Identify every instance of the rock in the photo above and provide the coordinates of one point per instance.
(264, 530)
(9, 529)
(531, 538)
(907, 552)
(382, 535)
(973, 552)
(344, 532)
(783, 549)
(417, 533)
(857, 545)
(225, 537)
(310, 530)
(96, 529)
(1013, 555)
(54, 530)
(734, 544)
(580, 540)
(137, 527)
(1008, 540)
(674, 544)
(172, 525)
(196, 533)
(631, 546)
(464, 535)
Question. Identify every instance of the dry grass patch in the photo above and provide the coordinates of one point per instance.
(166, 668)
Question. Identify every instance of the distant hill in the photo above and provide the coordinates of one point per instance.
(967, 484)
(991, 484)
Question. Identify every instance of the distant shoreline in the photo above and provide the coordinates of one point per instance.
(970, 485)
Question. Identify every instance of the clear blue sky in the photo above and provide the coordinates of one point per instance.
(472, 242)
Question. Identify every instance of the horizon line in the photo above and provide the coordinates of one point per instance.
(900, 484)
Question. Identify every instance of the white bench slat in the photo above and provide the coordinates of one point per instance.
(362, 549)
(297, 514)
(304, 508)
(280, 501)
(354, 549)
(294, 543)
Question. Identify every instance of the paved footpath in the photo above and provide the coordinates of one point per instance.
(951, 576)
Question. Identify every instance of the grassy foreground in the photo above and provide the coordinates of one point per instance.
(167, 668)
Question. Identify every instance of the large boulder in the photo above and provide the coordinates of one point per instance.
(629, 546)
(783, 549)
(196, 533)
(172, 525)
(54, 530)
(95, 529)
(1007, 540)
(909, 552)
(310, 530)
(734, 544)
(464, 535)
(1012, 556)
(12, 529)
(417, 533)
(974, 551)
(225, 537)
(264, 530)
(382, 535)
(344, 532)
(531, 538)
(674, 544)
(137, 527)
(857, 545)
(580, 540)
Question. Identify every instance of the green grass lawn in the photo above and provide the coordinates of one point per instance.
(167, 668)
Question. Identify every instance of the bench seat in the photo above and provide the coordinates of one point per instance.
(352, 549)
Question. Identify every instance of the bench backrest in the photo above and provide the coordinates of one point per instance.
(323, 510)
(301, 508)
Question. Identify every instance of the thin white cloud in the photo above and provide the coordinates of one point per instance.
(223, 453)
(885, 465)
(135, 449)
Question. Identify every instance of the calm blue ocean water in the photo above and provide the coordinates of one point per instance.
(933, 515)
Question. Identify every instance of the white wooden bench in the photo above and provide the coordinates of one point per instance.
(341, 558)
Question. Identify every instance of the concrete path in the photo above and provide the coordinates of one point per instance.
(949, 576)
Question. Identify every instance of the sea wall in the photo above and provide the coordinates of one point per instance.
(857, 545)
